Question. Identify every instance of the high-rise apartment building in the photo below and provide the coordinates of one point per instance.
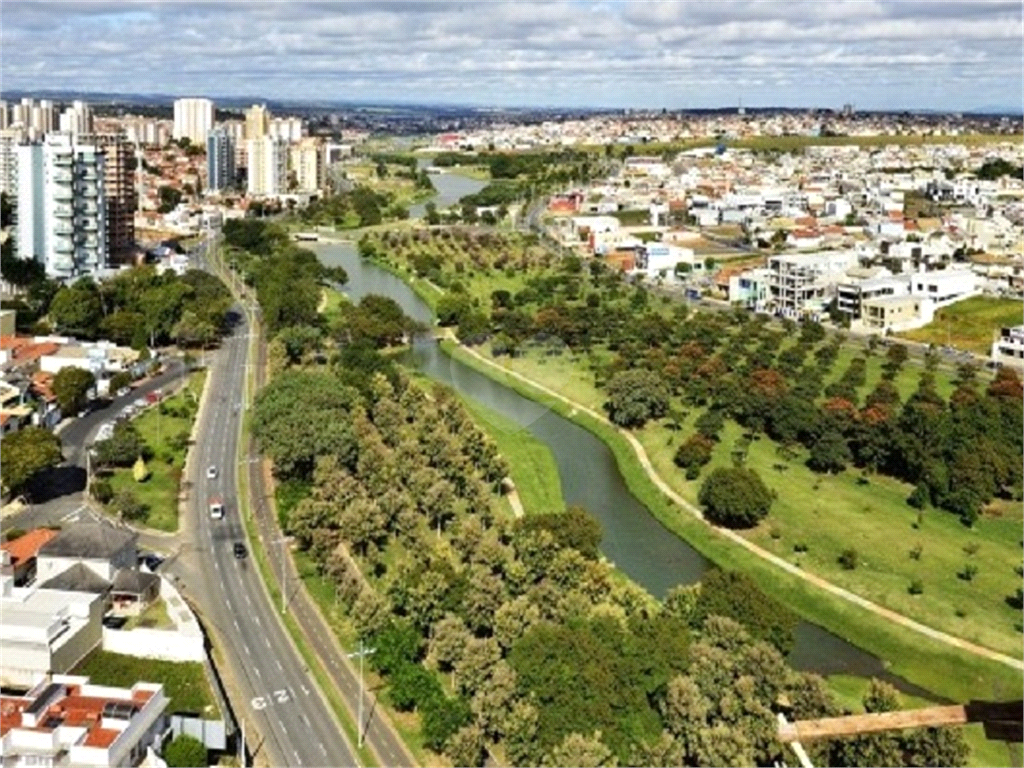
(9, 141)
(220, 160)
(62, 206)
(286, 128)
(257, 121)
(193, 119)
(306, 160)
(76, 119)
(267, 166)
(5, 115)
(119, 190)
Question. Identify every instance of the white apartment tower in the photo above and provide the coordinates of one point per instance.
(286, 128)
(9, 141)
(5, 115)
(76, 119)
(267, 166)
(62, 206)
(193, 119)
(307, 163)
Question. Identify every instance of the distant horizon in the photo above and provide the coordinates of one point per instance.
(879, 55)
(168, 99)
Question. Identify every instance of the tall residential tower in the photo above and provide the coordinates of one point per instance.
(220, 160)
(193, 119)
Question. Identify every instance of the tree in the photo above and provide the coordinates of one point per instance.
(736, 596)
(71, 387)
(466, 746)
(636, 395)
(76, 310)
(120, 380)
(694, 454)
(575, 527)
(830, 453)
(126, 506)
(122, 448)
(169, 199)
(735, 497)
(581, 751)
(185, 752)
(25, 453)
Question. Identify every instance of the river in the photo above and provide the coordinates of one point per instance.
(634, 540)
(451, 187)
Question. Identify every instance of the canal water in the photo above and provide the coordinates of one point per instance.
(634, 540)
(451, 187)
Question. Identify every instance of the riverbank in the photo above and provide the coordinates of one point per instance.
(922, 660)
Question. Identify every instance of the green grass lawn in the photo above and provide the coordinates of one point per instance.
(849, 692)
(185, 683)
(159, 493)
(533, 467)
(154, 617)
(331, 301)
(970, 324)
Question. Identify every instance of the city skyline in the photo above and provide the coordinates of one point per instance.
(947, 56)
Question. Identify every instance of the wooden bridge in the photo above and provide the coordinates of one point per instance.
(1003, 721)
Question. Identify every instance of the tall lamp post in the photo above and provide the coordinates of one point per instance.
(362, 653)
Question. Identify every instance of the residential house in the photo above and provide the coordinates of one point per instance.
(805, 283)
(19, 555)
(1009, 346)
(64, 720)
(851, 294)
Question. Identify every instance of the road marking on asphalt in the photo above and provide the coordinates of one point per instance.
(257, 671)
(267, 641)
(257, 620)
(324, 750)
(305, 690)
(247, 651)
(258, 702)
(235, 622)
(297, 758)
(305, 719)
(281, 696)
(277, 661)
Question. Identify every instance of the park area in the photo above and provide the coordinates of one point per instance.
(970, 324)
(161, 435)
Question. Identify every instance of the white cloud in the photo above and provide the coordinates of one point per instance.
(675, 53)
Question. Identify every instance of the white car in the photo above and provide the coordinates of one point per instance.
(211, 473)
(123, 391)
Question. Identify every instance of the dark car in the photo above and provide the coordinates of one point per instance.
(240, 551)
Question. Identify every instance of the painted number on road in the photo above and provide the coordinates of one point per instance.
(259, 702)
(281, 696)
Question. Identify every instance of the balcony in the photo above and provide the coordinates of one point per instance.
(89, 174)
(64, 245)
(63, 211)
(63, 160)
(63, 194)
(92, 242)
(63, 177)
(64, 229)
(89, 225)
(87, 209)
(90, 191)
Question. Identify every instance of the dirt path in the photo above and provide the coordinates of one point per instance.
(764, 554)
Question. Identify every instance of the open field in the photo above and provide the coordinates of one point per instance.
(923, 661)
(970, 324)
(185, 683)
(159, 493)
(831, 513)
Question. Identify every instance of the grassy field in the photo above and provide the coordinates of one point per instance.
(849, 692)
(831, 513)
(159, 493)
(154, 617)
(533, 468)
(923, 661)
(185, 683)
(478, 172)
(970, 324)
(331, 301)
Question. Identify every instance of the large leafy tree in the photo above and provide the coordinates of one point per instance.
(71, 387)
(735, 497)
(635, 396)
(25, 453)
(76, 310)
(185, 752)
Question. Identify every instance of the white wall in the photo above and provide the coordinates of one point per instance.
(165, 644)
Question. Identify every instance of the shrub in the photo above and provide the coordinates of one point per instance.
(969, 572)
(735, 497)
(800, 546)
(140, 471)
(916, 587)
(737, 596)
(101, 490)
(848, 559)
(185, 751)
(694, 453)
(915, 552)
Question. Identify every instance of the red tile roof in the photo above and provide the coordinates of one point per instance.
(26, 546)
(42, 383)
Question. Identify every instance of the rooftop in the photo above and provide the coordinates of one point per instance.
(94, 541)
(25, 547)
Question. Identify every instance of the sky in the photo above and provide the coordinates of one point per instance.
(875, 54)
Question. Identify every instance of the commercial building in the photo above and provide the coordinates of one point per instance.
(257, 122)
(44, 631)
(307, 165)
(62, 206)
(220, 160)
(193, 120)
(267, 166)
(66, 721)
(803, 283)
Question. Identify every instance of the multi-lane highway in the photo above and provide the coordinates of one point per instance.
(283, 712)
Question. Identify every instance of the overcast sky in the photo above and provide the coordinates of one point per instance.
(876, 54)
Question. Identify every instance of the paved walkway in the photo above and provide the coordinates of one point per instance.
(764, 554)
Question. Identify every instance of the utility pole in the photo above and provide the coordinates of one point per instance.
(363, 652)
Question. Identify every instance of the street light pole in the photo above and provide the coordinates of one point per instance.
(363, 652)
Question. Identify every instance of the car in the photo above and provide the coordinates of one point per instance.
(124, 391)
(240, 551)
(140, 403)
(211, 473)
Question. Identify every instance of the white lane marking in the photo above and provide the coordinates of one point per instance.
(305, 690)
(322, 749)
(284, 728)
(257, 671)
(305, 719)
(267, 641)
(276, 661)
(247, 651)
(235, 622)
(216, 565)
(257, 620)
(297, 758)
